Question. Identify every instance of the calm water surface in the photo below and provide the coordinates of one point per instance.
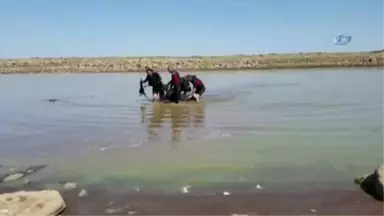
(270, 127)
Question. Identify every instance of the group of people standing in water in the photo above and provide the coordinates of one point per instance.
(189, 86)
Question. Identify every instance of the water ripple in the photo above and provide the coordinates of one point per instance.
(104, 111)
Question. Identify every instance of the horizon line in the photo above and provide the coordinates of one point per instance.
(193, 56)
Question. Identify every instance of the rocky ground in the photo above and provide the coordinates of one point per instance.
(95, 200)
(193, 63)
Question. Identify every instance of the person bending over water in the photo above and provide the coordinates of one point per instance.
(198, 86)
(185, 88)
(154, 79)
(175, 85)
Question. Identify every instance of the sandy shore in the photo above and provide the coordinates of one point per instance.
(194, 63)
(264, 202)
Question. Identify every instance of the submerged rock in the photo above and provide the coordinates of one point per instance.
(15, 175)
(259, 187)
(117, 210)
(83, 193)
(70, 185)
(185, 189)
(373, 183)
(47, 202)
(32, 169)
(52, 100)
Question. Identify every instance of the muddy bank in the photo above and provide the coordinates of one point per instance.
(194, 63)
(262, 202)
(316, 203)
(321, 198)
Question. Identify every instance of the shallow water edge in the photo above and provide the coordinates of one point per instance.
(99, 201)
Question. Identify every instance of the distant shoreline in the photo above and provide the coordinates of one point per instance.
(193, 63)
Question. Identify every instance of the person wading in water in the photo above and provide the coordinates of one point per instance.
(154, 79)
(198, 86)
(175, 85)
(185, 87)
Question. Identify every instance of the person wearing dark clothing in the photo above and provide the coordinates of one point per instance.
(198, 86)
(175, 85)
(185, 88)
(154, 79)
(184, 85)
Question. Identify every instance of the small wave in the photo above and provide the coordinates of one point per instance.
(225, 94)
(306, 104)
(110, 147)
(77, 104)
(262, 85)
(333, 112)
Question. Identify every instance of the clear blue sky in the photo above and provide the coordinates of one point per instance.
(185, 27)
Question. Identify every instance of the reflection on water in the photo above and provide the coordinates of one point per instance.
(179, 117)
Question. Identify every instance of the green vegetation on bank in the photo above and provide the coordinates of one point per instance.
(193, 63)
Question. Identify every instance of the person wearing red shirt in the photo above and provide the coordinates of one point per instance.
(198, 86)
(175, 85)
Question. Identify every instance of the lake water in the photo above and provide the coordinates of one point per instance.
(274, 128)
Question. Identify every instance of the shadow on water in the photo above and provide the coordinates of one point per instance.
(178, 116)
